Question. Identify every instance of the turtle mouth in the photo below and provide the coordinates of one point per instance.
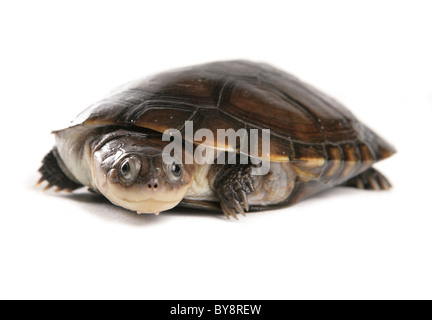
(148, 204)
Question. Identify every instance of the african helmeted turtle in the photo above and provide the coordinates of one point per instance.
(115, 146)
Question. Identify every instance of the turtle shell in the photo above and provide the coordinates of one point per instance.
(308, 128)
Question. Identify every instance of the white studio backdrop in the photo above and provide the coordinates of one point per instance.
(57, 58)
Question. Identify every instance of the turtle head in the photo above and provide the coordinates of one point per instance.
(129, 170)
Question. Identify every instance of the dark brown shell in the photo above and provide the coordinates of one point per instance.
(311, 130)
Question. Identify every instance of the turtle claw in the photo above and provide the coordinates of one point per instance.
(231, 206)
(383, 182)
(39, 183)
(244, 200)
(225, 211)
(233, 214)
(57, 189)
(228, 211)
(47, 187)
(373, 183)
(238, 207)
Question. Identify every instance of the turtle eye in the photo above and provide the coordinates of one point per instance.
(129, 169)
(176, 170)
(125, 168)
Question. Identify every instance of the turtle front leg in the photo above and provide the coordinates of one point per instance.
(232, 184)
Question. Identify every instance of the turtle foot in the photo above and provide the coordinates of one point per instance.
(233, 189)
(54, 176)
(370, 179)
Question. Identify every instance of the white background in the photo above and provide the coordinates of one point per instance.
(58, 58)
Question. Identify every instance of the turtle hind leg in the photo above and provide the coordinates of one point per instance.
(370, 179)
(52, 172)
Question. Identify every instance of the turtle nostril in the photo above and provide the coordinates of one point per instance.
(153, 184)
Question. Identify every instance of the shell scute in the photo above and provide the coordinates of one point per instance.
(313, 131)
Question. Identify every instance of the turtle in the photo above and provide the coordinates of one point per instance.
(115, 146)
